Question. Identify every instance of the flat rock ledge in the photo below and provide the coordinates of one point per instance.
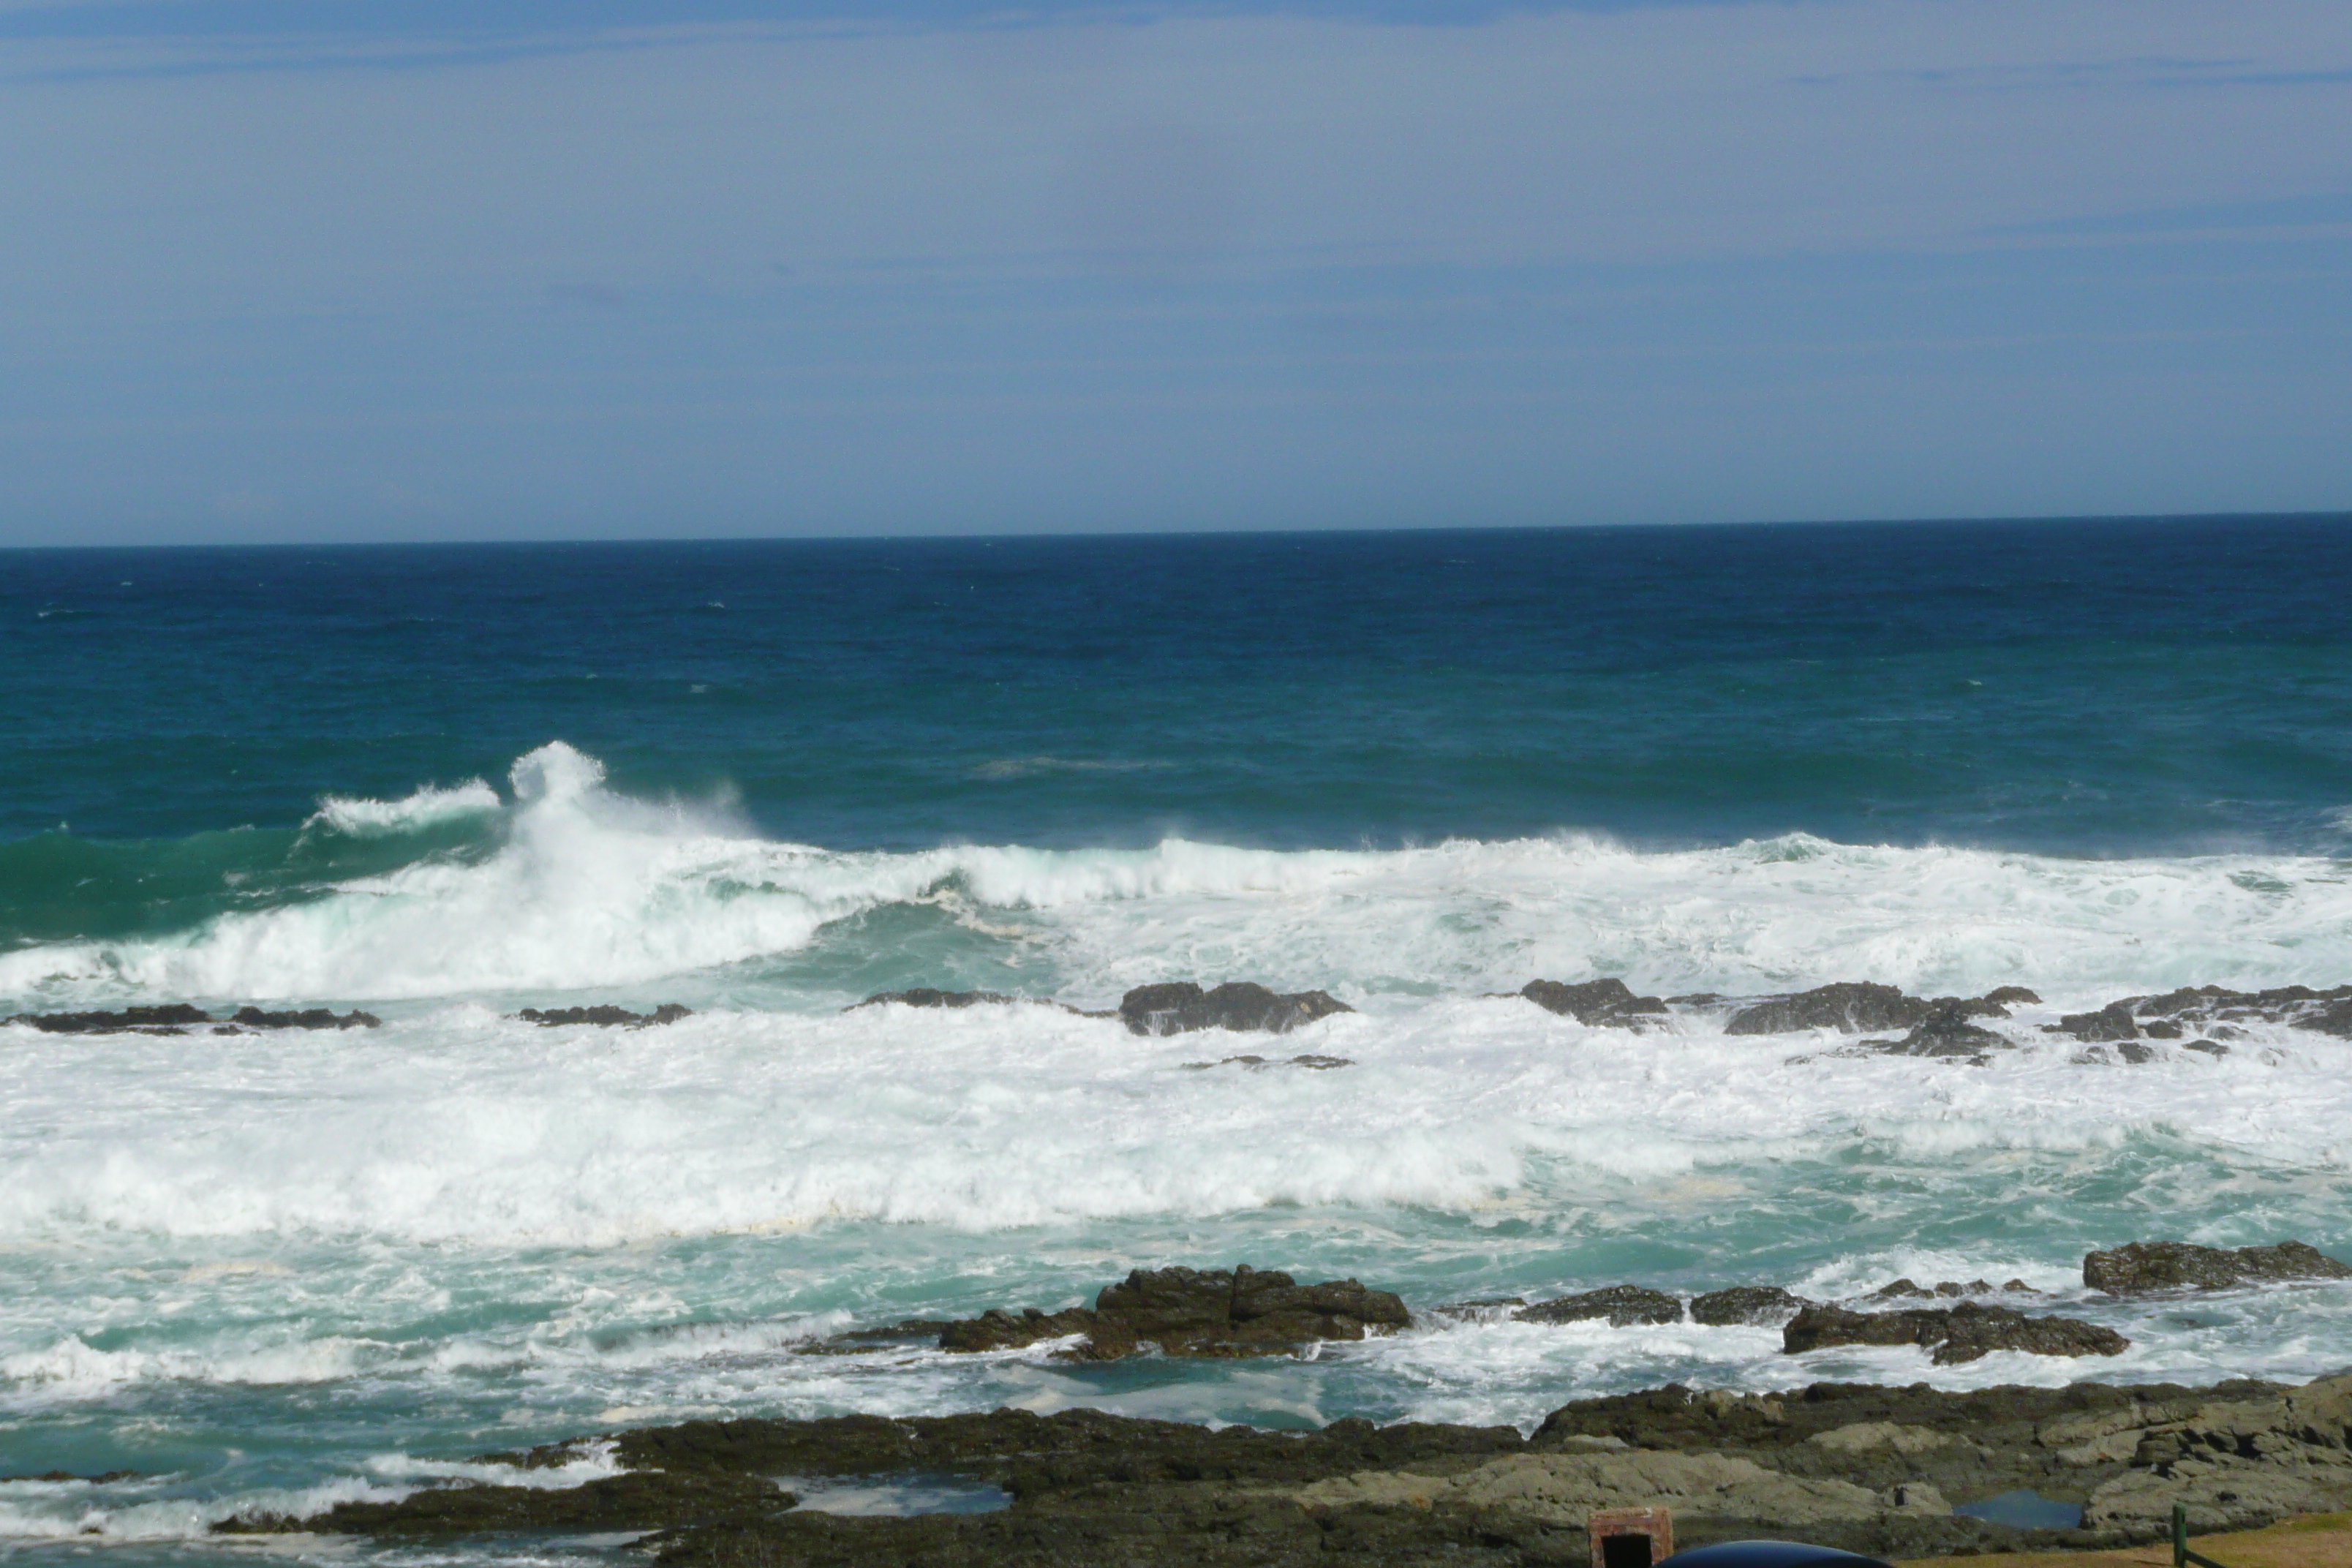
(1951, 1335)
(1870, 1469)
(2146, 1268)
(1220, 1313)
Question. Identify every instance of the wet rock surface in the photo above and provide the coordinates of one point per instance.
(307, 1019)
(179, 1018)
(2209, 1010)
(1951, 1335)
(1595, 1002)
(605, 1018)
(1182, 1008)
(1861, 1008)
(1311, 1063)
(1749, 1304)
(927, 996)
(1241, 1311)
(1866, 1468)
(1622, 1305)
(2147, 1266)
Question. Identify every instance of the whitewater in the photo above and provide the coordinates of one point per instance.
(272, 1270)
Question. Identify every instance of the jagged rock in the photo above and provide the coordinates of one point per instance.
(1946, 1033)
(605, 1018)
(2210, 1009)
(1761, 1305)
(1182, 1008)
(1951, 1335)
(1241, 1311)
(1594, 1002)
(2235, 1465)
(308, 1018)
(1622, 1305)
(2149, 1266)
(173, 1017)
(1861, 1008)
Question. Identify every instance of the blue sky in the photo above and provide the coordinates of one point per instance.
(327, 269)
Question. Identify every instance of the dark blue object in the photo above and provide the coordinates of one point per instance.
(1769, 1554)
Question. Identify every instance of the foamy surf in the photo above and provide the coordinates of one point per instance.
(586, 888)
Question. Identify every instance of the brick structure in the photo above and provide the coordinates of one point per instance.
(1631, 1536)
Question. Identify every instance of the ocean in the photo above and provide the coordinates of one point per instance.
(269, 1270)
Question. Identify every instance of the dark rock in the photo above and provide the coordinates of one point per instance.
(1594, 1002)
(1182, 1008)
(1313, 1063)
(2210, 1009)
(1239, 1312)
(605, 1018)
(2018, 1287)
(1090, 1488)
(172, 1017)
(102, 1478)
(2209, 1048)
(2149, 1266)
(926, 996)
(1952, 1335)
(1857, 1007)
(1622, 1305)
(308, 1018)
(1761, 1305)
(640, 1499)
(1947, 1033)
(1899, 1290)
(2013, 996)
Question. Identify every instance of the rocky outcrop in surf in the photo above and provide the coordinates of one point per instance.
(1862, 1007)
(1180, 1008)
(1241, 1311)
(1622, 1305)
(1951, 1335)
(1870, 1469)
(605, 1018)
(179, 1018)
(2146, 1268)
(1755, 1305)
(1607, 1002)
(2211, 1011)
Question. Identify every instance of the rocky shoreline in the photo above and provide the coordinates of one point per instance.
(1868, 1469)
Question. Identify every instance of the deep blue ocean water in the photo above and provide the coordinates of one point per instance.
(2097, 758)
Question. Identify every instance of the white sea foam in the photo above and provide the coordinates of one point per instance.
(592, 889)
(429, 806)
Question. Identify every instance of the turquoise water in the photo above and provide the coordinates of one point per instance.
(271, 1270)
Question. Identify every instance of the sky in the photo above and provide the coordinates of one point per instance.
(359, 270)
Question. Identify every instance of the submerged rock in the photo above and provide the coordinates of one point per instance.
(1241, 1311)
(308, 1018)
(1947, 1033)
(1622, 1305)
(1761, 1305)
(173, 1017)
(927, 996)
(1952, 1335)
(1594, 1002)
(2149, 1266)
(605, 1018)
(1861, 1008)
(1182, 1008)
(1312, 1063)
